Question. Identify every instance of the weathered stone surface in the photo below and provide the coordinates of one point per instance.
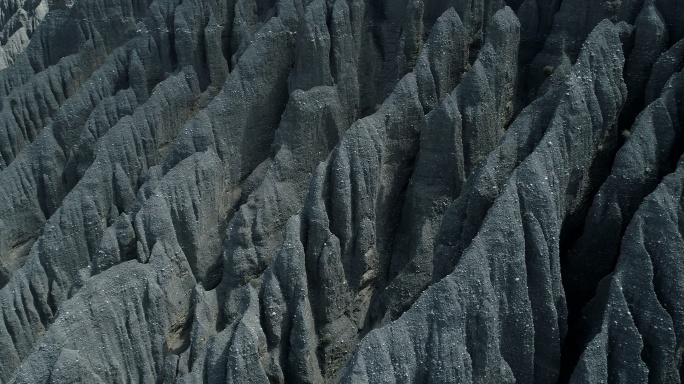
(510, 265)
(323, 191)
(634, 323)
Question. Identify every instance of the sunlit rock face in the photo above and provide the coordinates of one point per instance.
(341, 191)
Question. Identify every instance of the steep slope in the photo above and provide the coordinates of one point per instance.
(634, 322)
(503, 304)
(251, 191)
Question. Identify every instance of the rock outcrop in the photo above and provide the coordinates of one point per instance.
(324, 191)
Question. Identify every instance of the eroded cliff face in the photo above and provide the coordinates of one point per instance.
(353, 191)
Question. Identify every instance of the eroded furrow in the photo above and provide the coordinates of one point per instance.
(340, 191)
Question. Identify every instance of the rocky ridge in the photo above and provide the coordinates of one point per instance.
(348, 191)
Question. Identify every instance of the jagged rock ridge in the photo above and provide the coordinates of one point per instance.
(243, 191)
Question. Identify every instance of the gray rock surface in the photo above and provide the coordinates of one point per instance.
(341, 191)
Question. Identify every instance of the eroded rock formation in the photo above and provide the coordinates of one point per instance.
(353, 191)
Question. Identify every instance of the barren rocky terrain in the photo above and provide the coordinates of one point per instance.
(341, 191)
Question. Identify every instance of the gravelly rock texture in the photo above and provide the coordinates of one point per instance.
(341, 191)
